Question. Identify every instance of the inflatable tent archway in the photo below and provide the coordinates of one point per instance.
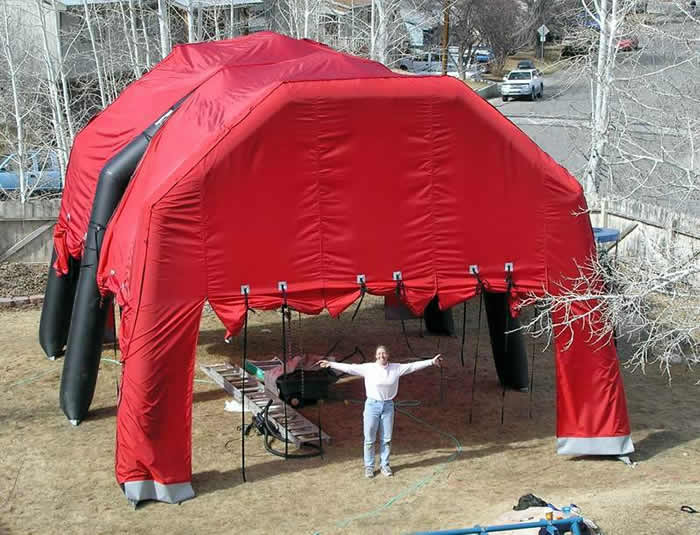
(287, 161)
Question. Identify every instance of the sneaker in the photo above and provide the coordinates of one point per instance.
(386, 471)
(369, 472)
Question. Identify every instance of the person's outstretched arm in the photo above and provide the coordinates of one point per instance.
(410, 367)
(350, 369)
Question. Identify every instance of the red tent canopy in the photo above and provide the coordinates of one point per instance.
(291, 162)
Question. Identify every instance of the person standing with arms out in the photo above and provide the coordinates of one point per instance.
(381, 387)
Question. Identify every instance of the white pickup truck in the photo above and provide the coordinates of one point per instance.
(522, 83)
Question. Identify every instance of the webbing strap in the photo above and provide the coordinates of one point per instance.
(245, 356)
(401, 294)
(532, 373)
(284, 366)
(464, 330)
(509, 286)
(476, 350)
(363, 291)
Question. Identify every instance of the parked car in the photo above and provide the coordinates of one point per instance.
(426, 63)
(628, 43)
(42, 172)
(526, 64)
(522, 83)
(483, 55)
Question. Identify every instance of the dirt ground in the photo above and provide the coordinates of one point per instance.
(55, 478)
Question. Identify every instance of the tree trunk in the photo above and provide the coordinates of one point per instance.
(54, 101)
(19, 121)
(98, 63)
(163, 25)
(132, 23)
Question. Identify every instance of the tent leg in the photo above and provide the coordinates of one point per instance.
(509, 351)
(438, 322)
(57, 308)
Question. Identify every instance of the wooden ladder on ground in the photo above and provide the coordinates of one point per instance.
(233, 379)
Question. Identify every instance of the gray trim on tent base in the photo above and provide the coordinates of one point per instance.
(595, 445)
(137, 491)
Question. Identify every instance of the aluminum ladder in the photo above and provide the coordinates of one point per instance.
(233, 379)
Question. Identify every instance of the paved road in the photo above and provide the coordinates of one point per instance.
(559, 122)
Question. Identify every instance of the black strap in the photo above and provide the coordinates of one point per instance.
(401, 294)
(284, 369)
(532, 372)
(509, 286)
(363, 291)
(480, 292)
(464, 331)
(301, 354)
(243, 376)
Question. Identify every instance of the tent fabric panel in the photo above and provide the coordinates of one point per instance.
(154, 416)
(590, 394)
(168, 234)
(159, 331)
(266, 176)
(373, 223)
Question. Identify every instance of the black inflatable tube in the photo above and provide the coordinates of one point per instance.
(57, 308)
(438, 322)
(509, 350)
(87, 324)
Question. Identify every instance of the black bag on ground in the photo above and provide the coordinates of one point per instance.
(529, 500)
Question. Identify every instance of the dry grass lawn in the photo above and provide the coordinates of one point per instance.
(55, 478)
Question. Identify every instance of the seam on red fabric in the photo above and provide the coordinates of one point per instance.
(203, 230)
(319, 200)
(431, 166)
(137, 305)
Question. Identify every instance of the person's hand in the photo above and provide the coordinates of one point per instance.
(437, 360)
(323, 363)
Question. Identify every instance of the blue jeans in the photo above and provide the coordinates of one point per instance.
(378, 417)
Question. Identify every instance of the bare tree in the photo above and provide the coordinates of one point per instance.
(497, 22)
(643, 144)
(98, 63)
(14, 69)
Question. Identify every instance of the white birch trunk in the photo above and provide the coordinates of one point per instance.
(191, 37)
(98, 63)
(372, 36)
(130, 45)
(147, 43)
(55, 105)
(19, 120)
(163, 25)
(608, 14)
(64, 82)
(134, 38)
(381, 36)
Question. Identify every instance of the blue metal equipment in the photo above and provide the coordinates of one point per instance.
(573, 524)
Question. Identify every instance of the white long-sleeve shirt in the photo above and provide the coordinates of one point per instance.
(381, 382)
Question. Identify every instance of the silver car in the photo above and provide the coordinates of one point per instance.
(522, 83)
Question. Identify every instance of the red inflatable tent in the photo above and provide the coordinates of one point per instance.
(291, 162)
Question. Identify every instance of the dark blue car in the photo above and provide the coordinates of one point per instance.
(42, 173)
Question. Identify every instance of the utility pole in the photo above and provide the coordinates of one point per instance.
(445, 35)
